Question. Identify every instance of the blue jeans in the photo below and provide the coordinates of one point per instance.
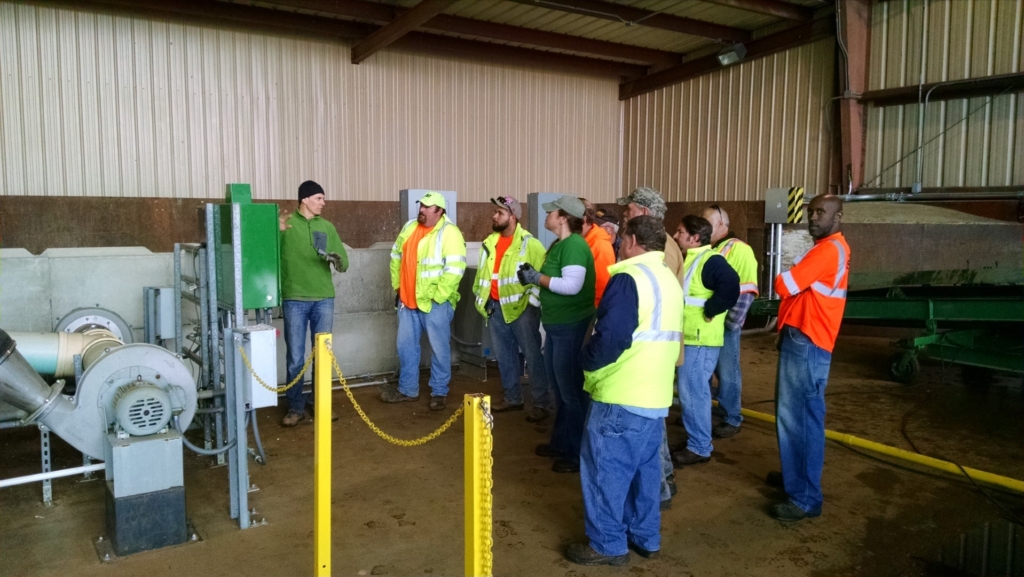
(300, 316)
(667, 468)
(730, 378)
(562, 360)
(620, 471)
(508, 339)
(800, 416)
(438, 324)
(695, 395)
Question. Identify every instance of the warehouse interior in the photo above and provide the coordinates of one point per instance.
(143, 142)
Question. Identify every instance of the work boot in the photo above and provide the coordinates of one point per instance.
(546, 450)
(437, 403)
(645, 553)
(665, 505)
(687, 457)
(724, 430)
(790, 513)
(504, 406)
(537, 415)
(393, 396)
(292, 418)
(584, 554)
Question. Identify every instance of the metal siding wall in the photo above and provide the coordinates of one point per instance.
(100, 105)
(731, 134)
(967, 142)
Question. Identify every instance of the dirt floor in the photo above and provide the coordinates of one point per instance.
(398, 511)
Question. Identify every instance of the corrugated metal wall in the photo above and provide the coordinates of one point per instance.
(967, 142)
(98, 105)
(731, 134)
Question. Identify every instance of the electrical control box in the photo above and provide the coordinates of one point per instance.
(537, 215)
(260, 345)
(247, 233)
(775, 200)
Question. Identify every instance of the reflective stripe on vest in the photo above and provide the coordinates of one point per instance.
(655, 334)
(819, 287)
(693, 301)
(724, 250)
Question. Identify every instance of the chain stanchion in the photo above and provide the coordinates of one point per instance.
(322, 460)
(283, 388)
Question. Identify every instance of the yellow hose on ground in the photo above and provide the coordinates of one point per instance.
(856, 442)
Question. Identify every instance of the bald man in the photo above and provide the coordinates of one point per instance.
(741, 258)
(813, 295)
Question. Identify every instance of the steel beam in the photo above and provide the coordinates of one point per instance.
(770, 8)
(784, 40)
(855, 35)
(382, 14)
(950, 90)
(631, 16)
(399, 27)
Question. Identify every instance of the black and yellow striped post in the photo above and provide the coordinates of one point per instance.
(795, 205)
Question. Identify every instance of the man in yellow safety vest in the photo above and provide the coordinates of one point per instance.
(741, 258)
(427, 262)
(628, 366)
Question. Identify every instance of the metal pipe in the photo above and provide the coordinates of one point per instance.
(931, 196)
(51, 475)
(199, 450)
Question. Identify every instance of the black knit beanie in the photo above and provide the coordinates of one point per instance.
(308, 189)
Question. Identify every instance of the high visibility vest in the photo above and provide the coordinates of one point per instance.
(513, 296)
(817, 312)
(644, 374)
(699, 332)
(741, 258)
(440, 263)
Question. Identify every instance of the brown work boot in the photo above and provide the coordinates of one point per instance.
(436, 403)
(292, 419)
(393, 396)
(504, 406)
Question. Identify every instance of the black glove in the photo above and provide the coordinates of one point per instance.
(528, 275)
(335, 259)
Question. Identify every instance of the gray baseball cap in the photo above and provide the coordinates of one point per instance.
(568, 203)
(646, 197)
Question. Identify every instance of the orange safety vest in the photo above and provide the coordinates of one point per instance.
(813, 291)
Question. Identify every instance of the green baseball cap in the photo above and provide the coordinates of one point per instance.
(568, 203)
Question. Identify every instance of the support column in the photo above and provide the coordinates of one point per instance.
(855, 35)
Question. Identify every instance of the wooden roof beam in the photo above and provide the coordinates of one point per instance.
(629, 15)
(770, 8)
(404, 24)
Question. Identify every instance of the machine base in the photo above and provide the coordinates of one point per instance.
(147, 521)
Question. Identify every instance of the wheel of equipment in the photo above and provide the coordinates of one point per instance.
(904, 367)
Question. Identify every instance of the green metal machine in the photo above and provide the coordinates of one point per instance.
(978, 326)
(247, 232)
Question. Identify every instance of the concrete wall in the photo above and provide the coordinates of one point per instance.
(38, 290)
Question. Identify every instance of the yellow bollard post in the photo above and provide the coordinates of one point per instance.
(322, 457)
(478, 485)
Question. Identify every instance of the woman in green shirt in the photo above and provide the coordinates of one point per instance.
(566, 284)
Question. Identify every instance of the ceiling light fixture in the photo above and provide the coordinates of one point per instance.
(732, 54)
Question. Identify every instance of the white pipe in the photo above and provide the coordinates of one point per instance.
(51, 475)
(54, 353)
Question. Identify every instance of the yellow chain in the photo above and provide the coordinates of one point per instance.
(248, 365)
(394, 440)
(487, 482)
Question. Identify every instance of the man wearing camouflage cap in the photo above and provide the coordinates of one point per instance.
(647, 201)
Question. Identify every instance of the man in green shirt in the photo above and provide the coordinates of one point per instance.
(309, 246)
